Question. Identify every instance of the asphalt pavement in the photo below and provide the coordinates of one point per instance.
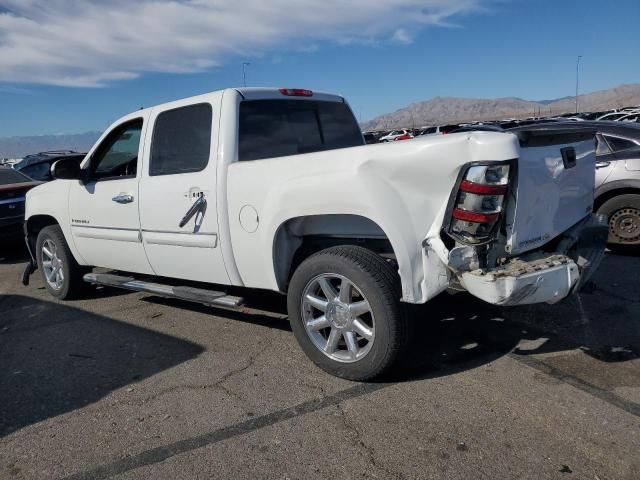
(131, 386)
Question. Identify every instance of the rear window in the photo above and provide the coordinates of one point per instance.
(9, 176)
(277, 128)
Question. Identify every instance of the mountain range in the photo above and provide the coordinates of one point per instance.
(444, 110)
(18, 147)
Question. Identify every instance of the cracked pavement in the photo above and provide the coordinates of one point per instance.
(130, 386)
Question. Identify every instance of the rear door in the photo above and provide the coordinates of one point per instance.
(178, 211)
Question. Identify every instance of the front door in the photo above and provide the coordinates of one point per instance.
(178, 211)
(103, 207)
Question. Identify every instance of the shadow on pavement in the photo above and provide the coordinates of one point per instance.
(55, 358)
(461, 332)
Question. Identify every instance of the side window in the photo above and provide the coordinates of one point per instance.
(181, 140)
(117, 156)
(617, 144)
(601, 146)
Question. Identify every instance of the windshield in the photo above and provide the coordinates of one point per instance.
(277, 128)
(9, 176)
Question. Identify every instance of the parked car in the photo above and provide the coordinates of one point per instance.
(13, 187)
(391, 136)
(479, 128)
(38, 166)
(438, 130)
(631, 117)
(282, 194)
(369, 138)
(617, 192)
(612, 116)
(590, 115)
(406, 136)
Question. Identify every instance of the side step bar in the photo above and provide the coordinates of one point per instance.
(199, 295)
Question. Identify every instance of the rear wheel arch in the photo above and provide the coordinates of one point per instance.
(298, 238)
(621, 189)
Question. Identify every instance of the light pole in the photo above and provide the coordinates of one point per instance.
(577, 79)
(244, 72)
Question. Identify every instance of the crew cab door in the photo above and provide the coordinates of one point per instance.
(103, 206)
(178, 213)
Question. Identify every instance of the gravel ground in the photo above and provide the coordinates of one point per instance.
(131, 386)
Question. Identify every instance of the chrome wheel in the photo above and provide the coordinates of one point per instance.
(624, 226)
(52, 265)
(338, 318)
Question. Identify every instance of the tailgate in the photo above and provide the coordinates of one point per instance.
(555, 185)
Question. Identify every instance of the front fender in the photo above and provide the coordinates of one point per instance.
(52, 200)
(372, 199)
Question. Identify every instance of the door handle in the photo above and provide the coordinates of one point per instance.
(123, 198)
(602, 164)
(197, 205)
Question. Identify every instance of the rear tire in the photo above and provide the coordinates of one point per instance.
(345, 312)
(61, 274)
(623, 213)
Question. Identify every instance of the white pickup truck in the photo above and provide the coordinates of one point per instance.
(275, 189)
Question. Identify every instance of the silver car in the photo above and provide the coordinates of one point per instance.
(618, 182)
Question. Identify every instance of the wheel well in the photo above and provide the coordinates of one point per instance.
(35, 224)
(599, 201)
(301, 237)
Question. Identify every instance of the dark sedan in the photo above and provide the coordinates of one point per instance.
(38, 165)
(13, 187)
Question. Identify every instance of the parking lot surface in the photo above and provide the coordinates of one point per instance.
(130, 386)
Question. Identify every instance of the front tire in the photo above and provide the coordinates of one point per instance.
(61, 274)
(345, 312)
(623, 212)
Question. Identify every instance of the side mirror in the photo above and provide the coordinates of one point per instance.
(66, 169)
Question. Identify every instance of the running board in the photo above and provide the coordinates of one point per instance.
(199, 295)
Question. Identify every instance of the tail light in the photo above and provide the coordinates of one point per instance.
(479, 203)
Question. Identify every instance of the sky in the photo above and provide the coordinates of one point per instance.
(71, 66)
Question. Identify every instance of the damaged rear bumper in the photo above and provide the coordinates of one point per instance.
(546, 280)
(543, 278)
